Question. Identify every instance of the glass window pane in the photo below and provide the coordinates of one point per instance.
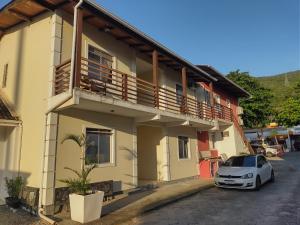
(183, 147)
(91, 153)
(104, 148)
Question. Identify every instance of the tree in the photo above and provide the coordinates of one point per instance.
(257, 109)
(289, 114)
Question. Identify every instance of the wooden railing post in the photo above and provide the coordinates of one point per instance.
(155, 78)
(212, 102)
(78, 45)
(184, 91)
(125, 87)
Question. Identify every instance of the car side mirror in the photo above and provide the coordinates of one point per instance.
(259, 165)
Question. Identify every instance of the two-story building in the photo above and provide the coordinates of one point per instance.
(71, 67)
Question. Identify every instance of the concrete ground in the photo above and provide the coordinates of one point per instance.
(136, 204)
(18, 217)
(275, 204)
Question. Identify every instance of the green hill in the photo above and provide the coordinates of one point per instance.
(281, 85)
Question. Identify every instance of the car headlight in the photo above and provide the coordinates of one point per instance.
(247, 176)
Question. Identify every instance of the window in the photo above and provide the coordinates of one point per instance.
(261, 160)
(183, 147)
(96, 72)
(217, 99)
(202, 95)
(4, 79)
(213, 140)
(178, 93)
(99, 146)
(228, 104)
(207, 97)
(240, 161)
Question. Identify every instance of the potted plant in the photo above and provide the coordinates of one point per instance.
(13, 186)
(85, 204)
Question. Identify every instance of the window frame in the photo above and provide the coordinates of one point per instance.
(178, 97)
(98, 48)
(188, 148)
(228, 103)
(112, 146)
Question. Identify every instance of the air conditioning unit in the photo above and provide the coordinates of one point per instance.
(240, 110)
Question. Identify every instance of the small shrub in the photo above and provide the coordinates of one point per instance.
(14, 186)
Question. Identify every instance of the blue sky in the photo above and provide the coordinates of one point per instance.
(258, 36)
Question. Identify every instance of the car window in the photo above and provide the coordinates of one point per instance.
(241, 161)
(261, 160)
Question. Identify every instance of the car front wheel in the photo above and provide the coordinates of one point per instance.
(257, 183)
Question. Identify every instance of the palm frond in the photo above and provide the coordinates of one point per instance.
(80, 140)
(74, 171)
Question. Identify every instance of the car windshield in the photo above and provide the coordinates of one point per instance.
(241, 161)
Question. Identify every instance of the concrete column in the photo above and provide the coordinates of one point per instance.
(134, 156)
(166, 175)
(51, 126)
(56, 45)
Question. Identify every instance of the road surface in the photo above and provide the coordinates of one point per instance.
(275, 204)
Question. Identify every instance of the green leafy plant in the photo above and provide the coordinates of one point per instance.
(81, 184)
(14, 186)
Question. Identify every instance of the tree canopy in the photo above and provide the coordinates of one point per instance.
(289, 112)
(257, 109)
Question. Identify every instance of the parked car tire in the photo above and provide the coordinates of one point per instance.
(257, 183)
(272, 179)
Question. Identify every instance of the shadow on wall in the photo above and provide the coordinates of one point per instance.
(121, 124)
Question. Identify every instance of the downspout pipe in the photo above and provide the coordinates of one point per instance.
(68, 97)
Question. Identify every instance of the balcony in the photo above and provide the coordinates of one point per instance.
(101, 80)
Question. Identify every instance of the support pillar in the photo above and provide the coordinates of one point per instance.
(78, 49)
(184, 90)
(155, 77)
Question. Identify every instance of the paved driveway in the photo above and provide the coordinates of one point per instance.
(275, 204)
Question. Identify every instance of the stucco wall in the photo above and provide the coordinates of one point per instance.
(26, 48)
(231, 145)
(150, 151)
(68, 155)
(181, 168)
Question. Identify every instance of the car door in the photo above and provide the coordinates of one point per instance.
(265, 169)
(262, 168)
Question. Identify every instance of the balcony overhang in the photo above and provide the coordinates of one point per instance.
(142, 114)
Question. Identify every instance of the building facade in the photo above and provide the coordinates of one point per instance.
(71, 67)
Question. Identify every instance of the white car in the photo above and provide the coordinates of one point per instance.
(244, 172)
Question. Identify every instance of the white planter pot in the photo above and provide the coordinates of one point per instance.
(86, 208)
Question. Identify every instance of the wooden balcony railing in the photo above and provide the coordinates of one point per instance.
(102, 80)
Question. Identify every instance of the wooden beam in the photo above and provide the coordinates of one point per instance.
(184, 89)
(146, 51)
(45, 4)
(155, 77)
(136, 45)
(106, 29)
(78, 44)
(166, 60)
(124, 38)
(89, 17)
(19, 15)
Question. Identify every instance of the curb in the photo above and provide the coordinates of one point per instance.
(152, 206)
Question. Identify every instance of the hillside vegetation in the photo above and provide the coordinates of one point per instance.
(281, 85)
